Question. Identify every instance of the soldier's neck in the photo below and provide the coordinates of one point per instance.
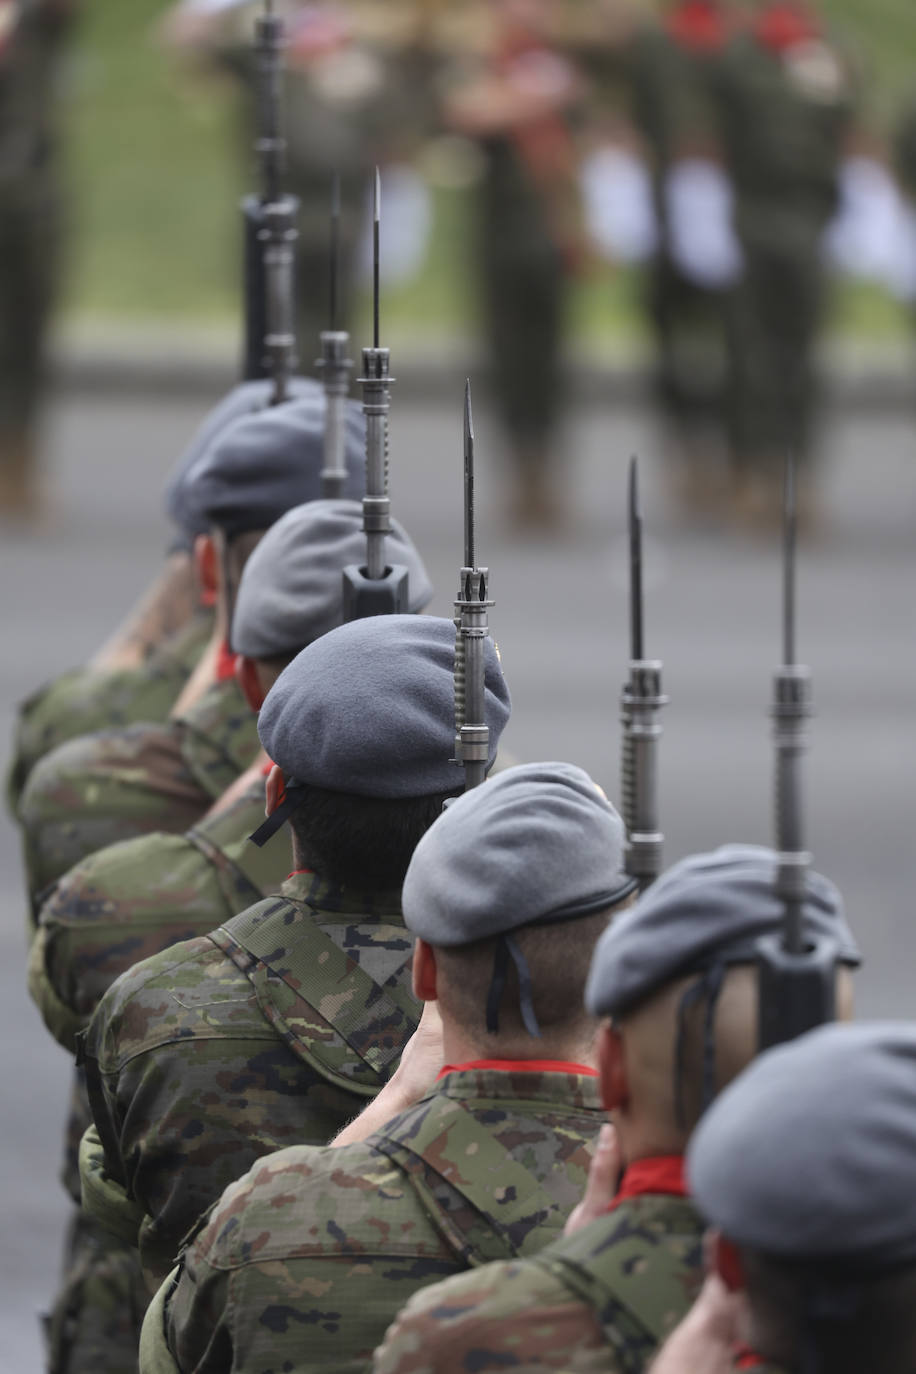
(204, 674)
(459, 1047)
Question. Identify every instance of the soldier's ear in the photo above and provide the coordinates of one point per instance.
(612, 1069)
(246, 675)
(274, 789)
(206, 565)
(424, 972)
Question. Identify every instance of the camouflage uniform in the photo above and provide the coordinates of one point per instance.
(133, 899)
(117, 784)
(275, 1028)
(600, 1300)
(83, 701)
(304, 1262)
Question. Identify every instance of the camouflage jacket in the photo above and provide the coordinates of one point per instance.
(305, 1262)
(135, 898)
(114, 785)
(82, 701)
(276, 1028)
(601, 1300)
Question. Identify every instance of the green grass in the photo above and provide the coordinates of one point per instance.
(156, 167)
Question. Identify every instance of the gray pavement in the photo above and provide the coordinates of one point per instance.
(560, 620)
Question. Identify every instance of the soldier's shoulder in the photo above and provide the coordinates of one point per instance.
(185, 993)
(305, 1202)
(510, 1314)
(104, 886)
(76, 771)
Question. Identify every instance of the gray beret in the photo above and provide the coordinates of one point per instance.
(809, 1153)
(292, 590)
(369, 709)
(706, 909)
(243, 399)
(534, 845)
(261, 465)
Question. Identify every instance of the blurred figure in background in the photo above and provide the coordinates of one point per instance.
(32, 37)
(784, 95)
(518, 98)
(697, 257)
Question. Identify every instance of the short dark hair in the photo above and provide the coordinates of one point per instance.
(558, 958)
(362, 842)
(853, 1323)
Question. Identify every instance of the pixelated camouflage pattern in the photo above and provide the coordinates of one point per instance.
(82, 702)
(190, 1080)
(133, 899)
(305, 1262)
(117, 784)
(94, 1324)
(601, 1300)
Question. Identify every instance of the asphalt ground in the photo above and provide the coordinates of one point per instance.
(560, 619)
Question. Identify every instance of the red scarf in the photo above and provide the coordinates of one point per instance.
(783, 26)
(698, 25)
(520, 1066)
(659, 1174)
(225, 663)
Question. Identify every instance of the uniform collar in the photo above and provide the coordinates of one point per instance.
(659, 1174)
(520, 1066)
(303, 885)
(501, 1080)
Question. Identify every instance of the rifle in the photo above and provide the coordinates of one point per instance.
(796, 973)
(472, 734)
(270, 227)
(334, 366)
(640, 703)
(378, 588)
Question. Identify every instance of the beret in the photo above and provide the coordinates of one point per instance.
(809, 1153)
(243, 399)
(538, 843)
(369, 708)
(706, 909)
(261, 465)
(291, 591)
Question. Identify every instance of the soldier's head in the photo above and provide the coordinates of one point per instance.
(360, 727)
(804, 1167)
(508, 893)
(291, 591)
(676, 980)
(253, 471)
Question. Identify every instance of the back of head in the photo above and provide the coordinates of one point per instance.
(362, 724)
(512, 886)
(677, 976)
(291, 591)
(805, 1164)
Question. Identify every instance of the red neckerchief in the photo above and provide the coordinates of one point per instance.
(782, 26)
(296, 871)
(656, 1174)
(225, 663)
(698, 26)
(746, 1359)
(520, 1066)
(266, 767)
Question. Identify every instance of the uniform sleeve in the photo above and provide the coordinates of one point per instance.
(155, 1356)
(196, 1319)
(501, 1316)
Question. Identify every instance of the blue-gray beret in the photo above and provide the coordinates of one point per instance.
(809, 1153)
(707, 909)
(536, 844)
(369, 709)
(242, 400)
(291, 591)
(261, 465)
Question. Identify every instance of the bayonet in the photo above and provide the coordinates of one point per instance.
(641, 702)
(334, 366)
(797, 973)
(472, 734)
(377, 588)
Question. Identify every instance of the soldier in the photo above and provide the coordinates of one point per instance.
(807, 1198)
(302, 1001)
(94, 791)
(133, 899)
(784, 99)
(506, 895)
(676, 977)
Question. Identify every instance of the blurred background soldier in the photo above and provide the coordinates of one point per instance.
(784, 99)
(32, 34)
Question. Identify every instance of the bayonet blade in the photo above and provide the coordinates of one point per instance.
(788, 555)
(376, 216)
(470, 553)
(635, 526)
(335, 247)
